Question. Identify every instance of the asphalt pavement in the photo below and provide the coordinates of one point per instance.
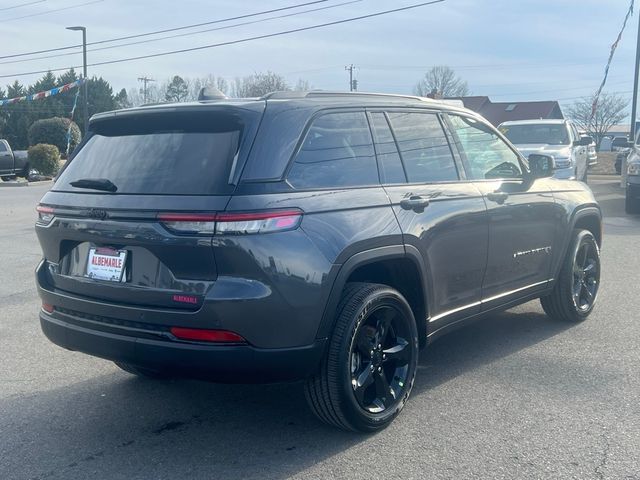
(516, 396)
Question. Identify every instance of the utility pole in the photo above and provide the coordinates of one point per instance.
(634, 108)
(145, 80)
(85, 84)
(353, 84)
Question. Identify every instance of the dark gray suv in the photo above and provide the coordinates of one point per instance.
(316, 236)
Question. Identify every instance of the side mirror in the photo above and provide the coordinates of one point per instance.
(541, 166)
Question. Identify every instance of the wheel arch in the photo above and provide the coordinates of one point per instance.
(588, 218)
(398, 266)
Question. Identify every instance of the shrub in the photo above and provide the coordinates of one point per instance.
(53, 131)
(44, 158)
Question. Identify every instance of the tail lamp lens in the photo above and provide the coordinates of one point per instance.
(232, 223)
(191, 223)
(45, 214)
(264, 222)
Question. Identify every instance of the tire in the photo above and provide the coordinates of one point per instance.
(631, 205)
(141, 371)
(374, 339)
(25, 171)
(585, 177)
(576, 290)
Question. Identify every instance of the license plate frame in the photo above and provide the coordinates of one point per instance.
(106, 264)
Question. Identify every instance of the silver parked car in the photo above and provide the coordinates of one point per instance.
(556, 137)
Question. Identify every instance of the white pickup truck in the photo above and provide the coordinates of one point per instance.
(12, 166)
(556, 137)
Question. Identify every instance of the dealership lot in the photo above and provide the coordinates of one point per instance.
(515, 396)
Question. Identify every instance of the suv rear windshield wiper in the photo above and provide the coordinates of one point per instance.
(95, 183)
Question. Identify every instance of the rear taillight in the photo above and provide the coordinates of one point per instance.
(232, 223)
(258, 222)
(192, 223)
(45, 214)
(47, 307)
(203, 335)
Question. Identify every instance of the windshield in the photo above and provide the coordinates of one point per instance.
(169, 156)
(549, 134)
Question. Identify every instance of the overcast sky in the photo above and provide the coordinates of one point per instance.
(511, 50)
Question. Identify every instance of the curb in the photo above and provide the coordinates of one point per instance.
(14, 184)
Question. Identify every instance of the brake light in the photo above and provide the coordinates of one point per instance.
(258, 222)
(202, 335)
(232, 223)
(45, 214)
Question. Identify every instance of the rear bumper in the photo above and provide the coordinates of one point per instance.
(223, 363)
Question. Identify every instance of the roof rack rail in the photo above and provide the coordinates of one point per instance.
(330, 93)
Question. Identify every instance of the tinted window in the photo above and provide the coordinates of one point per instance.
(488, 156)
(391, 170)
(337, 152)
(170, 154)
(2, 147)
(423, 146)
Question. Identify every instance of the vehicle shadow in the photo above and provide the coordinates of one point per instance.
(126, 427)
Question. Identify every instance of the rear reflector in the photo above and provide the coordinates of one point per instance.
(232, 223)
(201, 335)
(47, 307)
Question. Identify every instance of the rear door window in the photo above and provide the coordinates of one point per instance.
(337, 152)
(171, 154)
(423, 147)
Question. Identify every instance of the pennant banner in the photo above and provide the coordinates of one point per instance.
(41, 95)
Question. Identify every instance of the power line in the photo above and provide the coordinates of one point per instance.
(21, 5)
(128, 37)
(188, 33)
(55, 10)
(234, 42)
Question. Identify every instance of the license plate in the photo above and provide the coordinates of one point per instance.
(106, 264)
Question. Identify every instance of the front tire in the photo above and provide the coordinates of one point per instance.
(576, 290)
(368, 372)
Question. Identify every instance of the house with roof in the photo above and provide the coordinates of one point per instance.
(498, 112)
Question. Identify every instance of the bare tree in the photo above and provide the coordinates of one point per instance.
(209, 81)
(609, 111)
(443, 82)
(258, 84)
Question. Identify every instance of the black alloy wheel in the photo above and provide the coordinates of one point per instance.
(575, 290)
(367, 374)
(379, 355)
(586, 276)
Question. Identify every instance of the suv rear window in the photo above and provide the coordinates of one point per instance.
(190, 153)
(337, 152)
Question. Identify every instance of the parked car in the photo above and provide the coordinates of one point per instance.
(620, 144)
(12, 166)
(632, 191)
(317, 236)
(556, 137)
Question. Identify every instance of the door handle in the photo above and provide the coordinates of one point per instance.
(415, 203)
(498, 197)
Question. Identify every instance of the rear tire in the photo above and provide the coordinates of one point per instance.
(141, 371)
(368, 371)
(576, 290)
